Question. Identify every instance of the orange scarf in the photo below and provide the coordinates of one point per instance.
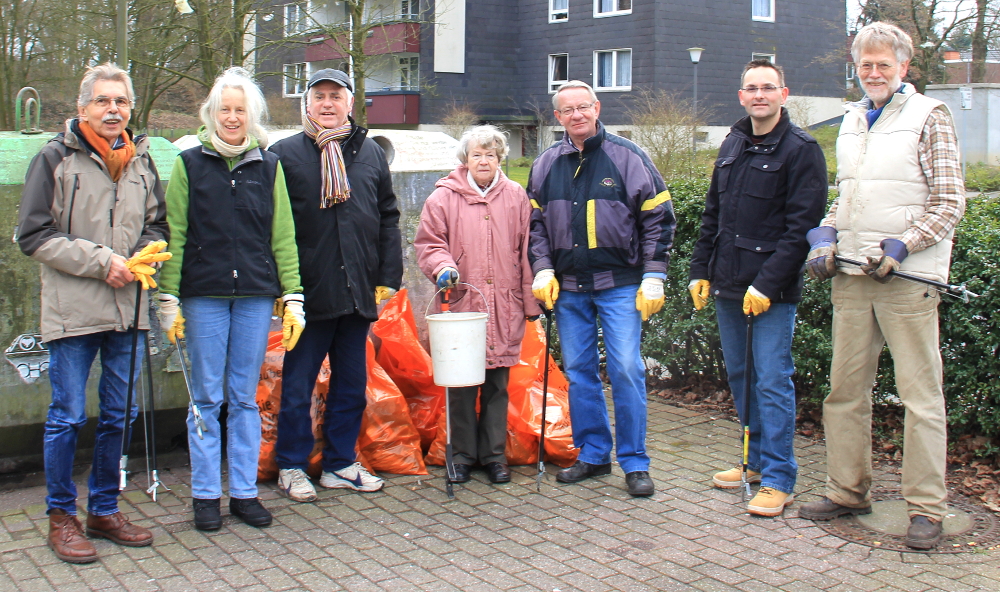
(115, 160)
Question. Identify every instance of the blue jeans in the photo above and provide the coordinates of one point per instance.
(227, 340)
(69, 367)
(773, 455)
(576, 320)
(344, 339)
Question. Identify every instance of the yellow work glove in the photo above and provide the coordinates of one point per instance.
(383, 293)
(546, 288)
(140, 266)
(755, 302)
(649, 298)
(293, 320)
(699, 293)
(171, 319)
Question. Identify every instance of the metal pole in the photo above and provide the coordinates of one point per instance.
(121, 29)
(694, 122)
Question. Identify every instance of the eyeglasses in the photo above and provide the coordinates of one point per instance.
(867, 67)
(104, 102)
(488, 156)
(767, 89)
(583, 109)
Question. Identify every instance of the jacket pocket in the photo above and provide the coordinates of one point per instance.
(762, 179)
(722, 171)
(751, 253)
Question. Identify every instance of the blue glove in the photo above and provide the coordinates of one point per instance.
(447, 278)
(821, 262)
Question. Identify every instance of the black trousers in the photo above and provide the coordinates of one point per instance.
(481, 440)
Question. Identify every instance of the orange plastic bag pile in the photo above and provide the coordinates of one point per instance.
(409, 366)
(524, 409)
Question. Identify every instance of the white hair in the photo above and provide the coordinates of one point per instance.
(253, 102)
(105, 71)
(485, 137)
(573, 84)
(883, 35)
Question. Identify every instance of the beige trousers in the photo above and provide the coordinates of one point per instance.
(867, 315)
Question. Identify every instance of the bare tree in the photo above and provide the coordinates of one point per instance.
(664, 124)
(458, 117)
(20, 33)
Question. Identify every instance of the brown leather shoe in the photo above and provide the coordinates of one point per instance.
(116, 527)
(66, 539)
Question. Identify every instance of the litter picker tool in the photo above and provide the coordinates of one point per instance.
(130, 397)
(956, 290)
(545, 397)
(199, 421)
(449, 465)
(150, 422)
(747, 389)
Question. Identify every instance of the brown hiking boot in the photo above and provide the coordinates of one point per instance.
(924, 532)
(116, 527)
(66, 539)
(827, 509)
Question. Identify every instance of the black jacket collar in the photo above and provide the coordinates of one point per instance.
(744, 128)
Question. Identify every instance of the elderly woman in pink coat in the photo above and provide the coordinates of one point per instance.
(474, 229)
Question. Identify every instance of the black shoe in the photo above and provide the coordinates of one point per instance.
(206, 514)
(461, 473)
(499, 472)
(250, 511)
(826, 509)
(639, 484)
(581, 470)
(923, 533)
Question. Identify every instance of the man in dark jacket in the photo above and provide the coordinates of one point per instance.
(768, 189)
(602, 225)
(350, 259)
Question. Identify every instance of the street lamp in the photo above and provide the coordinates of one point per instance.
(695, 58)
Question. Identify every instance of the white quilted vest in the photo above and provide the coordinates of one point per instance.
(882, 186)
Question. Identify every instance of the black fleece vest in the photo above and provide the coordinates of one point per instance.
(228, 249)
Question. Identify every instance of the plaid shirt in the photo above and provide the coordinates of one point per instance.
(939, 159)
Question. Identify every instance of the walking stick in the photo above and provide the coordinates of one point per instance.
(151, 447)
(199, 421)
(956, 290)
(747, 389)
(545, 396)
(449, 465)
(127, 428)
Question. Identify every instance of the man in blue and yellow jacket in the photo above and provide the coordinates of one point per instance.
(602, 226)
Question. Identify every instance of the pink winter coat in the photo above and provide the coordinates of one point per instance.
(486, 240)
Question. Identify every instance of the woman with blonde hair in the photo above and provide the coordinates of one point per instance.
(233, 245)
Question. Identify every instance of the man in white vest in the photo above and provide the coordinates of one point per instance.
(901, 194)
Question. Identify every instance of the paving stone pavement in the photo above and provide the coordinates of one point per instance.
(588, 537)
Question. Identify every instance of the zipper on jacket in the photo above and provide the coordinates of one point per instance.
(579, 166)
(111, 212)
(72, 203)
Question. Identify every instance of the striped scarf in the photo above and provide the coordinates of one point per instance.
(336, 187)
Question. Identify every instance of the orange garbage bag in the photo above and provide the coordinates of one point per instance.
(269, 402)
(524, 409)
(388, 440)
(409, 366)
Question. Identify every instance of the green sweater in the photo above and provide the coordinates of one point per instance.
(286, 255)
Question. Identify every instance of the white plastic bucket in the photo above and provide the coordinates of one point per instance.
(458, 348)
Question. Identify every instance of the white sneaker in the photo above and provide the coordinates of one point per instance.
(296, 485)
(353, 477)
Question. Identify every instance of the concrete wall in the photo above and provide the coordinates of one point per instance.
(979, 128)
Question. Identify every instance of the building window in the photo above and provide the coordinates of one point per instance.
(612, 7)
(763, 56)
(295, 79)
(409, 73)
(558, 71)
(762, 10)
(558, 11)
(613, 69)
(409, 10)
(296, 19)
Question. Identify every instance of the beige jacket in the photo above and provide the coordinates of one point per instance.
(73, 217)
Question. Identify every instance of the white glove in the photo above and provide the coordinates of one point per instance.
(542, 279)
(652, 288)
(294, 303)
(167, 310)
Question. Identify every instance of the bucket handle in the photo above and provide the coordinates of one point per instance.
(431, 301)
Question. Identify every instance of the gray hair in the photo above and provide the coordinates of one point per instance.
(105, 71)
(254, 102)
(486, 137)
(881, 35)
(573, 84)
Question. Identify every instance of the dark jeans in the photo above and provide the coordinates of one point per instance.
(69, 366)
(344, 339)
(485, 439)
